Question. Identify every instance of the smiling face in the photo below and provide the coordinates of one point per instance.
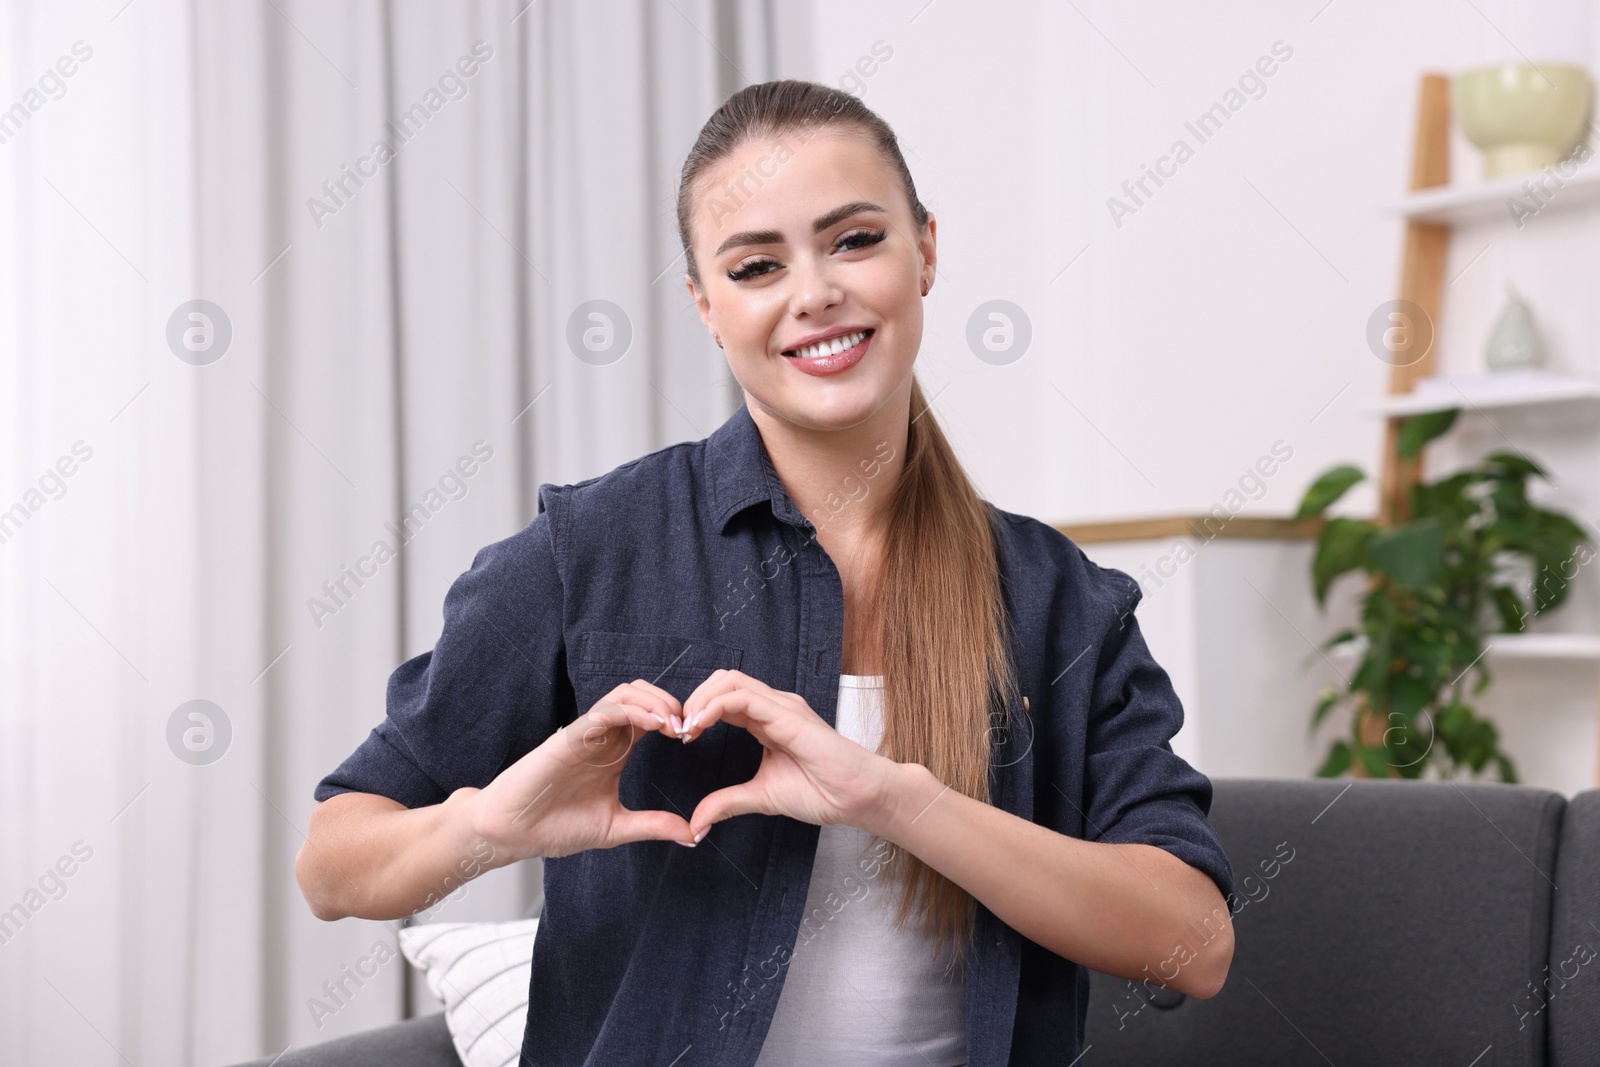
(797, 239)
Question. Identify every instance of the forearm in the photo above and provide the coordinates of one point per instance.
(1125, 910)
(373, 858)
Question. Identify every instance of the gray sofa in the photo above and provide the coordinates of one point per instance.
(1377, 922)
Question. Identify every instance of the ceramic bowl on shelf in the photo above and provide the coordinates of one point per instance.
(1523, 116)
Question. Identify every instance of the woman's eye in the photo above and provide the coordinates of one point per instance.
(861, 238)
(750, 270)
(848, 242)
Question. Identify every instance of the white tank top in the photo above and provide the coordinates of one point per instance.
(858, 992)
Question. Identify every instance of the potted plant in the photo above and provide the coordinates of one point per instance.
(1439, 581)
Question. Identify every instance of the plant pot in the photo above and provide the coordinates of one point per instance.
(1372, 730)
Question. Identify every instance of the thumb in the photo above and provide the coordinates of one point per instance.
(649, 825)
(742, 799)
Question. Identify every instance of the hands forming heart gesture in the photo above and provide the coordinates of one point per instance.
(562, 797)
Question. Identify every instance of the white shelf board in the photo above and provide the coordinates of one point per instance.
(1545, 646)
(1514, 646)
(1491, 201)
(1501, 389)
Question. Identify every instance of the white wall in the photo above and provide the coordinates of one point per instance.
(1230, 309)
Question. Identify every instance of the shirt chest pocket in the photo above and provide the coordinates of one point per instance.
(603, 660)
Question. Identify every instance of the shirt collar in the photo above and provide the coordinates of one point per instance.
(740, 474)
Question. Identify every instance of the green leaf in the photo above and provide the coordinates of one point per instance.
(1412, 555)
(1372, 672)
(1408, 695)
(1341, 547)
(1420, 429)
(1330, 697)
(1451, 720)
(1559, 527)
(1555, 545)
(1509, 493)
(1339, 638)
(1482, 744)
(1483, 679)
(1375, 762)
(1512, 608)
(1508, 773)
(1446, 494)
(1326, 489)
(1518, 463)
(1549, 587)
(1338, 761)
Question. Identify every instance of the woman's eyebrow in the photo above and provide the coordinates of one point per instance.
(772, 237)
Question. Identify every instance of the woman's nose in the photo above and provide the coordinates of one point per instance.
(815, 288)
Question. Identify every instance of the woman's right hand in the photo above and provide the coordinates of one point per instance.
(562, 797)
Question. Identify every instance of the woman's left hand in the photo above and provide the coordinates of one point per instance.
(809, 771)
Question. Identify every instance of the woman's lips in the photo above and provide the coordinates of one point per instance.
(822, 366)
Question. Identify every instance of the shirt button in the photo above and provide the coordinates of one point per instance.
(997, 944)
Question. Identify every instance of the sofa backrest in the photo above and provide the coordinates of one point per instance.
(1376, 922)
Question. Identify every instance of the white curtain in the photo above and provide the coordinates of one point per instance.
(179, 526)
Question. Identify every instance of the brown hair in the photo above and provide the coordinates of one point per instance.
(941, 622)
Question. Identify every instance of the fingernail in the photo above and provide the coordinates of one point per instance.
(677, 724)
(689, 844)
(658, 718)
(701, 834)
(694, 720)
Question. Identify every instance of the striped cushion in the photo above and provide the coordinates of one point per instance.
(481, 971)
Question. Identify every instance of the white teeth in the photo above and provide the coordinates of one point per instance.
(831, 348)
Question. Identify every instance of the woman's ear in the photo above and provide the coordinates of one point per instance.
(927, 244)
(703, 306)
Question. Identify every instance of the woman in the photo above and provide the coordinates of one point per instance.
(890, 699)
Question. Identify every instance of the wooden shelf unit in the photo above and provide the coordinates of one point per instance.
(1431, 210)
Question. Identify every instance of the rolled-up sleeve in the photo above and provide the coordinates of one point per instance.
(493, 687)
(1138, 791)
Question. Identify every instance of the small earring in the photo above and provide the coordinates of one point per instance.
(717, 339)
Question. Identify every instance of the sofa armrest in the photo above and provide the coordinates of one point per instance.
(421, 1042)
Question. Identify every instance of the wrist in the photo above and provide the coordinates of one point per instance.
(467, 852)
(907, 789)
(467, 835)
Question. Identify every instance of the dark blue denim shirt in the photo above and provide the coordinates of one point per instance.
(694, 558)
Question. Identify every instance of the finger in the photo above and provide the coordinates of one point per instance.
(642, 693)
(607, 732)
(669, 718)
(668, 705)
(609, 713)
(663, 703)
(634, 696)
(720, 681)
(649, 825)
(752, 710)
(742, 799)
